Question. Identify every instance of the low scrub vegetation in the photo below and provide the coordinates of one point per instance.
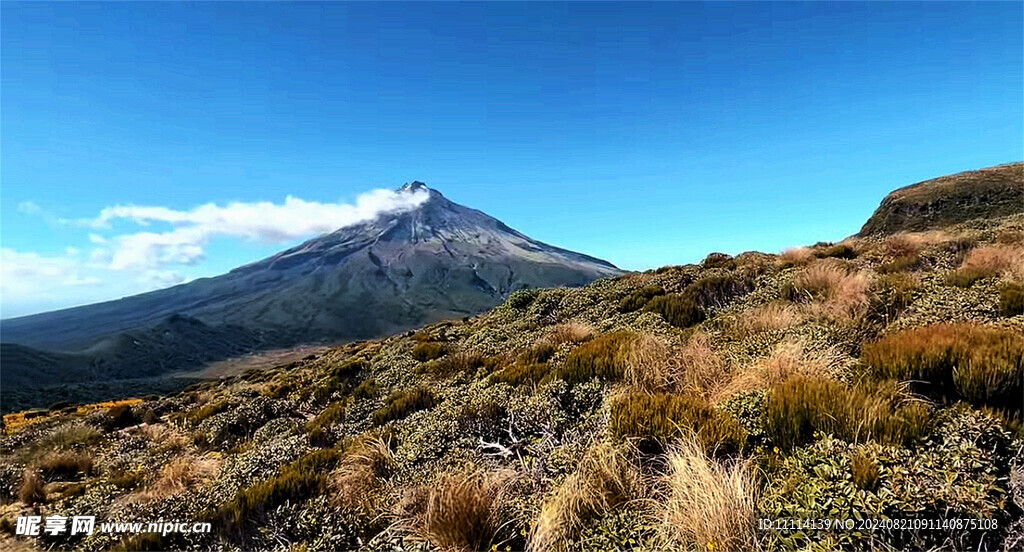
(864, 471)
(570, 332)
(295, 482)
(31, 490)
(454, 363)
(891, 294)
(679, 310)
(402, 403)
(771, 317)
(716, 291)
(520, 374)
(800, 406)
(1011, 299)
(660, 417)
(604, 357)
(838, 251)
(980, 364)
(639, 298)
(798, 256)
(429, 350)
(987, 262)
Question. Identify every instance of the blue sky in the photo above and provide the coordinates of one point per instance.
(645, 134)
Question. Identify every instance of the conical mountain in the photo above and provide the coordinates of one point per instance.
(439, 260)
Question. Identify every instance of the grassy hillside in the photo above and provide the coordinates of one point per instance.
(877, 378)
(986, 193)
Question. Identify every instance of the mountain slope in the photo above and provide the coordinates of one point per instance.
(985, 193)
(440, 260)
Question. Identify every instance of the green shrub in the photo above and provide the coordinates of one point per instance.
(197, 415)
(328, 417)
(718, 260)
(663, 416)
(891, 294)
(120, 417)
(603, 357)
(538, 353)
(1011, 299)
(521, 299)
(678, 310)
(799, 406)
(454, 364)
(839, 251)
(429, 351)
(296, 482)
(402, 403)
(980, 364)
(518, 374)
(639, 298)
(367, 389)
(716, 291)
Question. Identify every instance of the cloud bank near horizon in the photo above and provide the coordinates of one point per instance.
(127, 256)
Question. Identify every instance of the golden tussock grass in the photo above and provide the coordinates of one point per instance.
(787, 359)
(459, 514)
(771, 317)
(699, 369)
(647, 364)
(708, 506)
(832, 290)
(31, 490)
(605, 478)
(996, 260)
(177, 476)
(353, 483)
(570, 332)
(63, 465)
(797, 256)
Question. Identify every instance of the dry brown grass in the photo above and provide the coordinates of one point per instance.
(165, 436)
(647, 364)
(31, 490)
(996, 260)
(789, 358)
(709, 506)
(177, 476)
(460, 514)
(771, 317)
(606, 478)
(356, 478)
(570, 332)
(63, 465)
(833, 291)
(699, 368)
(798, 256)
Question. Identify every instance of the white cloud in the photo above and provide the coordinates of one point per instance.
(125, 263)
(263, 221)
(29, 208)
